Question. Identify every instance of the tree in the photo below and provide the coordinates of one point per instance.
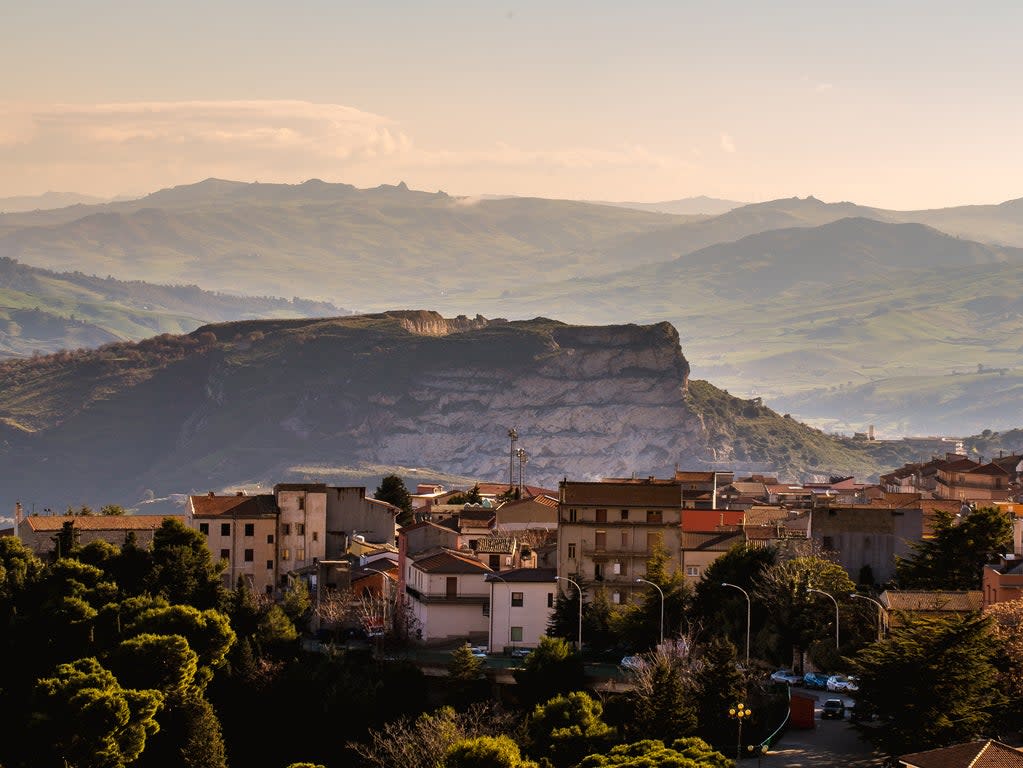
(799, 616)
(392, 490)
(486, 752)
(1007, 630)
(296, 602)
(203, 744)
(641, 624)
(722, 610)
(717, 685)
(662, 695)
(112, 509)
(955, 556)
(160, 662)
(276, 632)
(550, 669)
(930, 684)
(208, 633)
(182, 569)
(567, 728)
(83, 717)
(464, 666)
(683, 753)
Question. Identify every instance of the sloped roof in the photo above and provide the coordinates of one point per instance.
(695, 477)
(495, 545)
(710, 542)
(525, 574)
(749, 488)
(233, 505)
(100, 522)
(932, 600)
(449, 561)
(972, 754)
(765, 515)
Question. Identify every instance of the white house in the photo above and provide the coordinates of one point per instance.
(521, 604)
(446, 596)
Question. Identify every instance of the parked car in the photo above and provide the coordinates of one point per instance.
(842, 684)
(816, 680)
(833, 708)
(786, 676)
(479, 651)
(520, 653)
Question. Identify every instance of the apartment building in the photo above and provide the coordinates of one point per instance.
(301, 526)
(607, 531)
(242, 531)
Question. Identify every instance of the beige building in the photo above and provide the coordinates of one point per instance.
(301, 526)
(351, 513)
(241, 530)
(521, 604)
(607, 531)
(38, 532)
(447, 597)
(534, 513)
(700, 549)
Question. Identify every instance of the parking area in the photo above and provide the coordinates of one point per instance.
(831, 744)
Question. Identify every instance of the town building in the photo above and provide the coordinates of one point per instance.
(39, 532)
(446, 597)
(902, 603)
(240, 530)
(866, 539)
(984, 753)
(521, 605)
(301, 526)
(1003, 582)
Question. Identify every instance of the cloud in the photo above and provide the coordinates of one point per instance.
(727, 144)
(822, 87)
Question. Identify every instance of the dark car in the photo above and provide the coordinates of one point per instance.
(833, 708)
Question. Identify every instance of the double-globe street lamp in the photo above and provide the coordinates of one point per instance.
(576, 585)
(832, 599)
(661, 593)
(749, 614)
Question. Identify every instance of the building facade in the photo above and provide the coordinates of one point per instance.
(521, 605)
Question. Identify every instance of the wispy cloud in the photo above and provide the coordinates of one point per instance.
(727, 143)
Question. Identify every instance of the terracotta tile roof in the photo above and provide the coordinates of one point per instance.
(449, 561)
(710, 542)
(991, 469)
(695, 477)
(481, 515)
(262, 505)
(973, 754)
(499, 489)
(764, 515)
(519, 575)
(957, 464)
(100, 522)
(897, 500)
(748, 488)
(932, 600)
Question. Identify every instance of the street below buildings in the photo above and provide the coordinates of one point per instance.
(832, 744)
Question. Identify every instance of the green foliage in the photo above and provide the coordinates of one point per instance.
(160, 662)
(392, 490)
(203, 743)
(930, 684)
(723, 609)
(641, 623)
(84, 718)
(486, 752)
(567, 728)
(799, 616)
(955, 555)
(463, 665)
(182, 570)
(276, 632)
(663, 700)
(208, 632)
(111, 509)
(296, 603)
(550, 669)
(683, 753)
(717, 685)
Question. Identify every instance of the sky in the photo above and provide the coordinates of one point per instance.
(898, 104)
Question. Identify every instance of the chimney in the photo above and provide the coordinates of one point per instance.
(239, 493)
(19, 513)
(212, 494)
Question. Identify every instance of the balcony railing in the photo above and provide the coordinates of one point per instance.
(463, 599)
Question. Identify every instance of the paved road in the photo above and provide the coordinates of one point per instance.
(832, 744)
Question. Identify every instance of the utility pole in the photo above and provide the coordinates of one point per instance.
(513, 436)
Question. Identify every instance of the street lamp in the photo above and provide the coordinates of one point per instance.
(490, 577)
(740, 712)
(881, 613)
(749, 613)
(565, 578)
(661, 593)
(832, 599)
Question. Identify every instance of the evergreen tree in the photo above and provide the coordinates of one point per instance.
(955, 555)
(683, 753)
(486, 752)
(464, 666)
(552, 668)
(567, 728)
(662, 698)
(718, 684)
(930, 684)
(183, 571)
(296, 603)
(392, 490)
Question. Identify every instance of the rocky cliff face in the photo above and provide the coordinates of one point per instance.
(403, 389)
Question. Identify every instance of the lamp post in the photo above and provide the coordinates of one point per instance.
(661, 593)
(565, 578)
(881, 613)
(740, 712)
(749, 614)
(490, 578)
(832, 599)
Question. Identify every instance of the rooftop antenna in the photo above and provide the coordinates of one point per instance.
(512, 436)
(523, 459)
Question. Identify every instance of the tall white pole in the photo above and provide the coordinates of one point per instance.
(749, 613)
(661, 593)
(832, 599)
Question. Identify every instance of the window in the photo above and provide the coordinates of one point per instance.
(269, 589)
(250, 555)
(616, 597)
(285, 554)
(692, 570)
(828, 543)
(495, 562)
(651, 541)
(625, 514)
(225, 529)
(618, 569)
(285, 529)
(516, 599)
(301, 502)
(601, 515)
(250, 529)
(653, 516)
(550, 599)
(625, 539)
(516, 634)
(598, 571)
(269, 565)
(269, 538)
(204, 529)
(225, 554)
(571, 551)
(572, 515)
(600, 540)
(300, 529)
(316, 535)
(451, 586)
(300, 553)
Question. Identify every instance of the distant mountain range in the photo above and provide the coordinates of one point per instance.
(795, 300)
(687, 206)
(47, 201)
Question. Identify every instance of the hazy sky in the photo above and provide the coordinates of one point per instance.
(900, 104)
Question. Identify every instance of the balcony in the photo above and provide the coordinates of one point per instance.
(612, 552)
(445, 599)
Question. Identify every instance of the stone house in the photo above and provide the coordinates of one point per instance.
(38, 532)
